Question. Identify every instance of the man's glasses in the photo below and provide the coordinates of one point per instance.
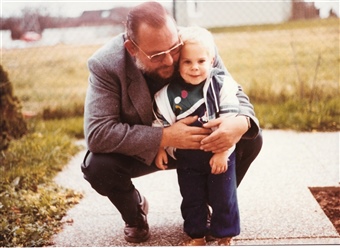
(158, 57)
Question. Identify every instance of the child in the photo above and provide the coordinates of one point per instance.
(204, 178)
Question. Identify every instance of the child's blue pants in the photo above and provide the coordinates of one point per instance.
(200, 188)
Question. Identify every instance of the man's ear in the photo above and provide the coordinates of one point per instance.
(130, 47)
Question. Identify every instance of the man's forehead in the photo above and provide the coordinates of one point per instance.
(148, 32)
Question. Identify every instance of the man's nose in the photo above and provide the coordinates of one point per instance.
(168, 59)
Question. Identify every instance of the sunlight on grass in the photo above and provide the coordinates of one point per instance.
(273, 63)
(283, 60)
(284, 67)
(49, 77)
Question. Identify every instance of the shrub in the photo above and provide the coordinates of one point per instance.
(12, 124)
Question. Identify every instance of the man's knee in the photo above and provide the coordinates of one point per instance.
(249, 149)
(105, 172)
(258, 141)
(246, 153)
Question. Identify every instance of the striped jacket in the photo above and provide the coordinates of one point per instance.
(219, 100)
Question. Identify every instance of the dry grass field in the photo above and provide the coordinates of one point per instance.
(284, 62)
(48, 77)
(295, 62)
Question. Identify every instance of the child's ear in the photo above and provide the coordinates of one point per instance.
(130, 47)
(212, 61)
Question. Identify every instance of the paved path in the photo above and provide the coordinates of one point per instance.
(275, 202)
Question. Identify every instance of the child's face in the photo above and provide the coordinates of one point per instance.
(194, 63)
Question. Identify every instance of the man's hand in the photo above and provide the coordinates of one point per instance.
(229, 131)
(182, 136)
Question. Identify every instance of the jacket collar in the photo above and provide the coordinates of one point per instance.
(138, 91)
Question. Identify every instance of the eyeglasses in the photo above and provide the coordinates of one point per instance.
(158, 57)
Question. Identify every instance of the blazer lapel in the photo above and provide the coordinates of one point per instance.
(140, 96)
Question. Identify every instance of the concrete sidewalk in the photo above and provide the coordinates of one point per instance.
(276, 205)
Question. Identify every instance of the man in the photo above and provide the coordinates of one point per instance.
(124, 75)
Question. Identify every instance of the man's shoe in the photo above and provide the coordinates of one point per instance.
(139, 231)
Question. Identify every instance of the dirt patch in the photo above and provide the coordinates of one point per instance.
(329, 200)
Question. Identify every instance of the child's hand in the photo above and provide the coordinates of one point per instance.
(219, 163)
(161, 159)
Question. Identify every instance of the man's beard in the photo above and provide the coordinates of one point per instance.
(153, 74)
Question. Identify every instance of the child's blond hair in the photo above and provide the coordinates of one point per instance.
(195, 34)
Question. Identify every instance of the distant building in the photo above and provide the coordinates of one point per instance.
(115, 16)
(242, 12)
(304, 10)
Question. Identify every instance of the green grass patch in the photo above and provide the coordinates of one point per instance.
(31, 204)
(300, 115)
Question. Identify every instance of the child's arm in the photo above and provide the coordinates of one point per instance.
(161, 159)
(219, 162)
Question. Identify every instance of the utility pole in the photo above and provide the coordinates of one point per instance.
(174, 9)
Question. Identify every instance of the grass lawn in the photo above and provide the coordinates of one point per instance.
(289, 71)
(31, 204)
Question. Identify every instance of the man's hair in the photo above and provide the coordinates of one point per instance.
(151, 13)
(195, 34)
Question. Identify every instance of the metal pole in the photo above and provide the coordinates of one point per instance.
(174, 9)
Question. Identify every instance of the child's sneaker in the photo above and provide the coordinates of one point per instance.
(194, 242)
(224, 241)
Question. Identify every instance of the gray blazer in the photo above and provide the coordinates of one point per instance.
(118, 106)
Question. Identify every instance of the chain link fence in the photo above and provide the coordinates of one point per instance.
(280, 45)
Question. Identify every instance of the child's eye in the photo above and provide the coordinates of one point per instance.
(202, 61)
